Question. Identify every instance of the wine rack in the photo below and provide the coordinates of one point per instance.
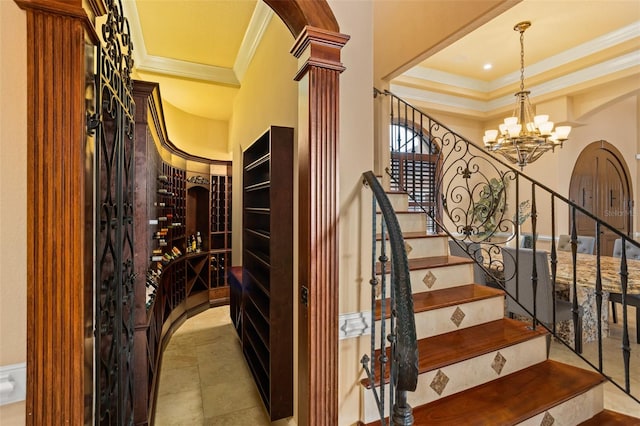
(266, 303)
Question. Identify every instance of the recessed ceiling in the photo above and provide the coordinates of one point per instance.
(556, 26)
(204, 32)
(198, 51)
(569, 44)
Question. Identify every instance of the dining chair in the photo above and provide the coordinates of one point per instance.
(474, 252)
(526, 240)
(521, 278)
(585, 244)
(632, 252)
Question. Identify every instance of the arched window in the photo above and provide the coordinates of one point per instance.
(414, 165)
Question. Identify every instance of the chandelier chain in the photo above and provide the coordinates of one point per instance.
(522, 60)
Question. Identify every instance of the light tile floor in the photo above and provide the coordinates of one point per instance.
(204, 379)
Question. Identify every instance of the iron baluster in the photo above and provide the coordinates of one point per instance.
(577, 321)
(554, 259)
(599, 295)
(383, 310)
(534, 272)
(626, 349)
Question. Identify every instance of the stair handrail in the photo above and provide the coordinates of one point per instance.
(402, 337)
(473, 232)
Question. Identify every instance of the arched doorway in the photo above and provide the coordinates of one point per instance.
(56, 188)
(415, 159)
(600, 183)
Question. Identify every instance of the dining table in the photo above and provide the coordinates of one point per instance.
(586, 272)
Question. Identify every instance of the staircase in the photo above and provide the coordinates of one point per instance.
(475, 366)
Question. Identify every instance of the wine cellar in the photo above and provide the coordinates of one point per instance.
(182, 234)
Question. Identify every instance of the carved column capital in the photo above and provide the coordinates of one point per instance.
(319, 48)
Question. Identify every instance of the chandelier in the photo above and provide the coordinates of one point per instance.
(524, 137)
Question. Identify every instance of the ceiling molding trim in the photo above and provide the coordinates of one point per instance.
(598, 44)
(561, 83)
(593, 72)
(455, 80)
(407, 93)
(260, 19)
(167, 66)
(177, 68)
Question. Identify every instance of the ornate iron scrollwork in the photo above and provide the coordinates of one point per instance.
(114, 127)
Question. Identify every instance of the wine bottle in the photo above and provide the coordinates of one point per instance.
(156, 258)
(198, 242)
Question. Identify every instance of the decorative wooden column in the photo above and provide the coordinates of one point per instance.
(320, 67)
(56, 211)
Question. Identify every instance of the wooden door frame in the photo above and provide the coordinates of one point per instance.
(56, 125)
(318, 40)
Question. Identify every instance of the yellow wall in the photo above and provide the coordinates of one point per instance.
(13, 190)
(268, 96)
(197, 135)
(355, 157)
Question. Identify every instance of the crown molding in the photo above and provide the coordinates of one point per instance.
(257, 26)
(220, 75)
(598, 44)
(602, 69)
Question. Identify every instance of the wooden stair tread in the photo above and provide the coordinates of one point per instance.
(459, 345)
(429, 262)
(611, 418)
(437, 299)
(510, 399)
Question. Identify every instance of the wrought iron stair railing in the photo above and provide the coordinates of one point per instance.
(467, 194)
(402, 364)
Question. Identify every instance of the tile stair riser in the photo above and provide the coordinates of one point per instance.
(438, 321)
(421, 247)
(399, 202)
(409, 222)
(446, 277)
(574, 411)
(465, 374)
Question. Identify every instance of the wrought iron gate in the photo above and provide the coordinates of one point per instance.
(114, 273)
